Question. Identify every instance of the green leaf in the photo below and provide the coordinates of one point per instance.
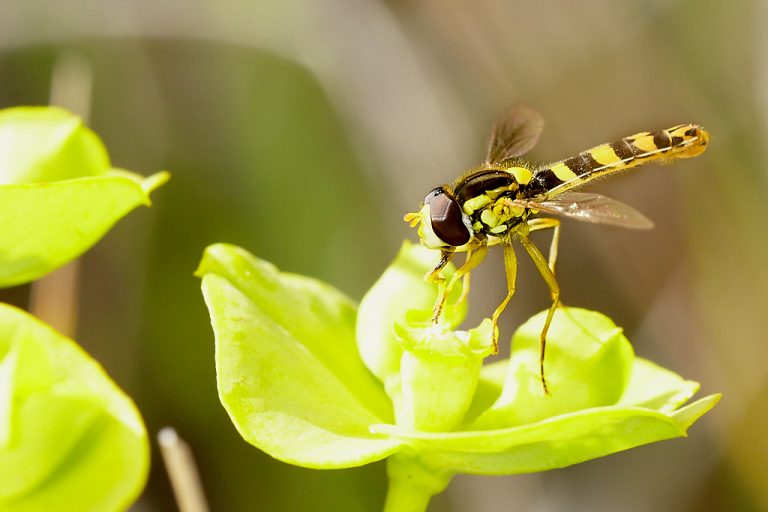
(489, 387)
(45, 225)
(399, 295)
(70, 440)
(287, 369)
(58, 194)
(588, 364)
(43, 144)
(553, 443)
(654, 387)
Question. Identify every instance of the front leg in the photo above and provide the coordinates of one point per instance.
(436, 276)
(475, 256)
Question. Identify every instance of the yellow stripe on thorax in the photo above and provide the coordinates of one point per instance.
(521, 174)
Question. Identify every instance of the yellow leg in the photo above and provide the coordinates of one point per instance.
(549, 276)
(474, 258)
(545, 223)
(510, 269)
(436, 274)
(554, 224)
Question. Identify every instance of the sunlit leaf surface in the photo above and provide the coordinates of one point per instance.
(287, 369)
(70, 439)
(58, 193)
(293, 384)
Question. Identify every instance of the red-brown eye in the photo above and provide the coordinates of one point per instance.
(446, 218)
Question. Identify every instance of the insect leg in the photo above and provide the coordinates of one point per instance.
(510, 269)
(547, 223)
(474, 258)
(549, 276)
(436, 276)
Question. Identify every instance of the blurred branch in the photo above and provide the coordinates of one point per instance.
(71, 85)
(180, 465)
(53, 298)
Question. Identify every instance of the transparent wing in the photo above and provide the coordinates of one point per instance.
(590, 208)
(515, 132)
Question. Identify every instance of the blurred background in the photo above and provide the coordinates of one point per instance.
(339, 116)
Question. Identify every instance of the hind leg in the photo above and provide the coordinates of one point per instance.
(549, 277)
(554, 225)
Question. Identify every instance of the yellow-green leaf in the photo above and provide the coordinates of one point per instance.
(58, 193)
(287, 369)
(70, 439)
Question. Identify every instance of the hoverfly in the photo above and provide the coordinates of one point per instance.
(499, 201)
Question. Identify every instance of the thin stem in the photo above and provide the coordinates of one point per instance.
(402, 497)
(182, 471)
(412, 484)
(54, 297)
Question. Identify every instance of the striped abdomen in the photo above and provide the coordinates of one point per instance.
(682, 141)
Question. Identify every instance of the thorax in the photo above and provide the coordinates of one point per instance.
(486, 196)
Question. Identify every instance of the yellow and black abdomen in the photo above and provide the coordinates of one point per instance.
(681, 141)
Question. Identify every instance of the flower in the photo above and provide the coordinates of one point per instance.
(314, 381)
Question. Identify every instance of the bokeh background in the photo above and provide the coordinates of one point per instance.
(303, 130)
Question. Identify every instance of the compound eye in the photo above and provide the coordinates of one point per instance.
(446, 218)
(432, 193)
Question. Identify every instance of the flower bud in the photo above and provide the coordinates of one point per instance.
(439, 370)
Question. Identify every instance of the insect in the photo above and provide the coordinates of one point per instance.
(499, 202)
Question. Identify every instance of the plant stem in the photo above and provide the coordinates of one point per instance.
(54, 298)
(412, 484)
(182, 472)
